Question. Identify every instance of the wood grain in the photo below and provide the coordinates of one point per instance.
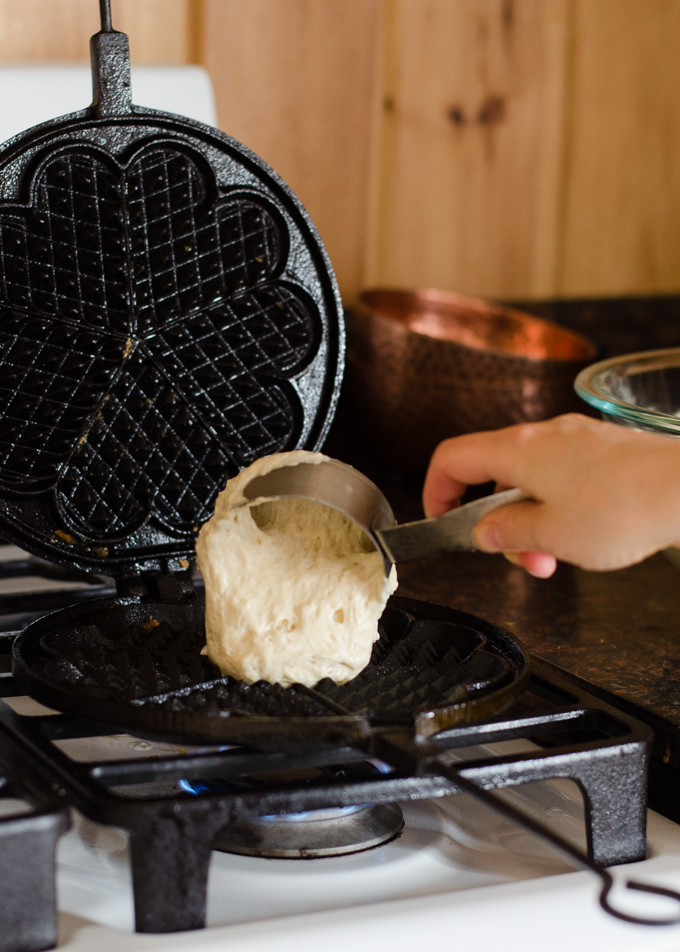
(160, 30)
(296, 81)
(472, 145)
(622, 225)
(507, 148)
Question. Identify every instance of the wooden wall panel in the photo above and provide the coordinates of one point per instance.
(161, 31)
(471, 161)
(505, 148)
(622, 231)
(297, 81)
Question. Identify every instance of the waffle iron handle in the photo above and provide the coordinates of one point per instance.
(105, 12)
(110, 56)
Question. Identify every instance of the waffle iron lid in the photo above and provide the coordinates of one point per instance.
(169, 314)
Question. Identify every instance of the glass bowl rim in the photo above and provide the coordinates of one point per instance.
(588, 386)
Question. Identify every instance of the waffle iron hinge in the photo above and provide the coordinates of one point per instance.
(170, 587)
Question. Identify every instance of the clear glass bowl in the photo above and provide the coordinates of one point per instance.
(637, 390)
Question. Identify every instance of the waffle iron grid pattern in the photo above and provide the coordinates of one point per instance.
(416, 664)
(146, 341)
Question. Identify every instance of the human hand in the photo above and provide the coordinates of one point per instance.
(605, 496)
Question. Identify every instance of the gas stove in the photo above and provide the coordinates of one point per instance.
(169, 315)
(317, 843)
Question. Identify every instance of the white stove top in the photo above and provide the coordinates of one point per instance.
(437, 885)
(457, 874)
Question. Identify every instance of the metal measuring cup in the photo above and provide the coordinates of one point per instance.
(335, 484)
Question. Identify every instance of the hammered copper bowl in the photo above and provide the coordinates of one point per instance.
(425, 365)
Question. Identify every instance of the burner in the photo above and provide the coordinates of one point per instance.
(313, 834)
(231, 798)
(308, 833)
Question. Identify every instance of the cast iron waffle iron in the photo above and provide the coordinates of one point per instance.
(169, 315)
(137, 664)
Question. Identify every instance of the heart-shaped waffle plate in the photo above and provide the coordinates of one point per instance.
(168, 315)
(138, 666)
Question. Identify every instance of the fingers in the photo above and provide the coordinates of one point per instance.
(477, 458)
(538, 564)
(516, 528)
(601, 493)
(515, 531)
(441, 492)
(465, 460)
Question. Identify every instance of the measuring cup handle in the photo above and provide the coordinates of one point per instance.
(462, 521)
(451, 532)
(480, 507)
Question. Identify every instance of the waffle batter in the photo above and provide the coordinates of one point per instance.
(294, 590)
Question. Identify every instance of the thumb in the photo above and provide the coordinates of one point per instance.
(516, 528)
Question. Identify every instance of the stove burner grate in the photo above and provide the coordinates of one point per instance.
(32, 818)
(172, 833)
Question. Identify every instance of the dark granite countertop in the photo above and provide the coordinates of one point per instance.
(617, 631)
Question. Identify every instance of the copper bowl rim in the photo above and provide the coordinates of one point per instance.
(531, 332)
